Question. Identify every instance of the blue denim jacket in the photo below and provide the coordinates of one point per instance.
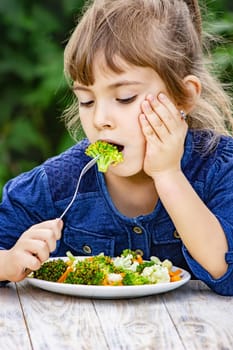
(93, 224)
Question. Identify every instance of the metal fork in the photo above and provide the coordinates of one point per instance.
(92, 162)
(84, 170)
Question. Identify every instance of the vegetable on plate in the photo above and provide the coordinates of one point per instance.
(127, 269)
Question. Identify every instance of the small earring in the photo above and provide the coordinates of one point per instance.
(183, 115)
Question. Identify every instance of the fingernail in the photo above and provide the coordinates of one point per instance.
(59, 222)
(162, 97)
(146, 106)
(151, 98)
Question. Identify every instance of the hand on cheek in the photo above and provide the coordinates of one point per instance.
(164, 129)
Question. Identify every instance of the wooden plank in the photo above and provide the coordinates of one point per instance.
(203, 319)
(13, 331)
(60, 322)
(141, 324)
(191, 317)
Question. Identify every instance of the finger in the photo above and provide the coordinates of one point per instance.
(159, 125)
(37, 248)
(47, 236)
(163, 112)
(52, 226)
(56, 225)
(26, 271)
(27, 264)
(147, 129)
(31, 263)
(151, 115)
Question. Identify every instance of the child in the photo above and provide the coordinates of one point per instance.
(138, 73)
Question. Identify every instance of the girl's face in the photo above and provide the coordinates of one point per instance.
(110, 108)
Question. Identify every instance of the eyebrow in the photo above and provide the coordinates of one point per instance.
(111, 86)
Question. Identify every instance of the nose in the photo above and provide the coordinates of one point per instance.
(103, 117)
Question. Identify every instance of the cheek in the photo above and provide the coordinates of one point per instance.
(135, 130)
(86, 124)
(136, 138)
(140, 141)
(83, 117)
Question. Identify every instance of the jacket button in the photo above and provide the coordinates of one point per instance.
(87, 249)
(176, 234)
(137, 230)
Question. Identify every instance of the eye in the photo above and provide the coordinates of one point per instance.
(127, 100)
(86, 104)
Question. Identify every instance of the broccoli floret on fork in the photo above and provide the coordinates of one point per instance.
(107, 153)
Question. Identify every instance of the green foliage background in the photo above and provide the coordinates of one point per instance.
(33, 89)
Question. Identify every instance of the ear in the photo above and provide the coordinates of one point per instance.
(193, 86)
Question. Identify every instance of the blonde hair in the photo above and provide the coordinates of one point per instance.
(165, 35)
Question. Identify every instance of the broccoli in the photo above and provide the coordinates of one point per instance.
(51, 270)
(142, 266)
(91, 271)
(133, 278)
(108, 154)
(126, 269)
(127, 252)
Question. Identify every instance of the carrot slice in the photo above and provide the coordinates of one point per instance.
(139, 259)
(175, 278)
(65, 274)
(175, 275)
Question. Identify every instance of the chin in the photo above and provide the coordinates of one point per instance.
(125, 169)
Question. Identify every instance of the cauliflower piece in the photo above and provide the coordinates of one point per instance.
(156, 274)
(114, 278)
(125, 262)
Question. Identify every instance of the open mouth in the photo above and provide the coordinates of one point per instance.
(119, 147)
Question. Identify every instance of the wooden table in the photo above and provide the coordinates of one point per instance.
(191, 317)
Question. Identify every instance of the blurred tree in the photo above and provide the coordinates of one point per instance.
(219, 22)
(33, 89)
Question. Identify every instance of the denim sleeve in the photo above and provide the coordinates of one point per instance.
(219, 199)
(26, 201)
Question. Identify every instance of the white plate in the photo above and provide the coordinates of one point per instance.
(110, 292)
